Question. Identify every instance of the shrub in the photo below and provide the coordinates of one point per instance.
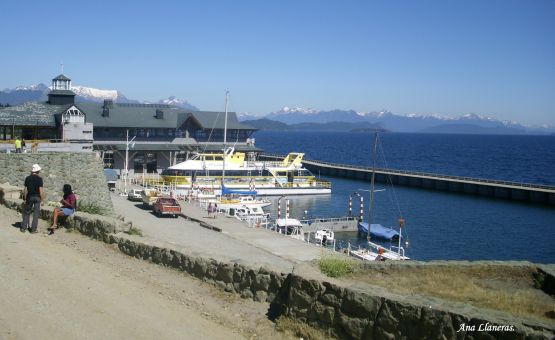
(336, 266)
(90, 208)
(134, 231)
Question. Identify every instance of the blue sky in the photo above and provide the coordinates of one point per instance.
(428, 57)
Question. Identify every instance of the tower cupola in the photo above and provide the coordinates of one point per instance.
(61, 93)
(61, 82)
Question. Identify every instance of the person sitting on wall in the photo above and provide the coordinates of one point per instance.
(69, 203)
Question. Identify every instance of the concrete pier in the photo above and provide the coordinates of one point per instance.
(523, 192)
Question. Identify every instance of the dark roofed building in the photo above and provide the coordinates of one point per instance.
(162, 134)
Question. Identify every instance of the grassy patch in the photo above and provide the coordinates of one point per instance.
(505, 288)
(300, 329)
(336, 266)
(134, 231)
(91, 208)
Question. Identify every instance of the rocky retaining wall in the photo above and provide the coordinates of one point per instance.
(83, 171)
(95, 226)
(355, 314)
(346, 312)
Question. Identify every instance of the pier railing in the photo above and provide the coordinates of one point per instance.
(421, 174)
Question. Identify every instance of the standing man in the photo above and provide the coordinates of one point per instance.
(33, 198)
(17, 145)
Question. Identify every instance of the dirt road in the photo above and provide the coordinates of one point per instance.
(66, 286)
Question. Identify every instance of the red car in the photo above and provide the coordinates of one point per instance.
(166, 206)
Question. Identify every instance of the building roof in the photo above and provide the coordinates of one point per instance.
(120, 115)
(131, 115)
(144, 116)
(216, 120)
(31, 113)
(61, 77)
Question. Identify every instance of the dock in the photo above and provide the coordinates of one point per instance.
(523, 192)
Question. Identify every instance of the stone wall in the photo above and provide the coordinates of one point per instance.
(352, 313)
(83, 171)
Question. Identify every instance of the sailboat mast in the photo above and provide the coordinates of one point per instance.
(225, 139)
(372, 182)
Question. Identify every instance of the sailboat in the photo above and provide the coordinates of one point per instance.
(374, 251)
(233, 198)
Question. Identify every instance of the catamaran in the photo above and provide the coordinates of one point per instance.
(205, 171)
(230, 170)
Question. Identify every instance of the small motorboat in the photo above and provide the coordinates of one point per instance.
(324, 236)
(290, 227)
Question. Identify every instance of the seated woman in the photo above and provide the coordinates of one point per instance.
(69, 202)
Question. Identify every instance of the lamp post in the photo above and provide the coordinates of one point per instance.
(126, 174)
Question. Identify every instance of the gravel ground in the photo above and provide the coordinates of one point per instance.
(67, 286)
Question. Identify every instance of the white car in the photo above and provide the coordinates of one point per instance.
(134, 195)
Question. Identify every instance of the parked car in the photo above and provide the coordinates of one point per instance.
(134, 195)
(166, 206)
(111, 178)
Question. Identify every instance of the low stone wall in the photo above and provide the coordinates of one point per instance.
(354, 314)
(96, 226)
(348, 312)
(259, 284)
(83, 171)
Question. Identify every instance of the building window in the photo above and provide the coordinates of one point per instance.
(73, 115)
(108, 160)
(138, 162)
(151, 162)
(181, 156)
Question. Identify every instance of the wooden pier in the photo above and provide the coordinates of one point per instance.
(524, 192)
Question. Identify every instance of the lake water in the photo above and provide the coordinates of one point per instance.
(439, 225)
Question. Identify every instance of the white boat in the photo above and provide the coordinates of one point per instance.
(236, 202)
(285, 177)
(290, 227)
(252, 213)
(230, 170)
(324, 236)
(374, 251)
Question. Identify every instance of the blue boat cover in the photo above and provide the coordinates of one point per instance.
(226, 191)
(378, 230)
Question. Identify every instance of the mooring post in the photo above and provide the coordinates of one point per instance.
(361, 217)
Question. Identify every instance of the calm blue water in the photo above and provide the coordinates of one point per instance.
(439, 225)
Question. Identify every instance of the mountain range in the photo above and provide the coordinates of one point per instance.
(39, 92)
(296, 118)
(470, 123)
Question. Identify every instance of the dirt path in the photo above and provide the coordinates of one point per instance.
(67, 287)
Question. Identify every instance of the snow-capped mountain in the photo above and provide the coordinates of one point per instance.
(22, 94)
(406, 122)
(174, 101)
(94, 94)
(297, 115)
(39, 92)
